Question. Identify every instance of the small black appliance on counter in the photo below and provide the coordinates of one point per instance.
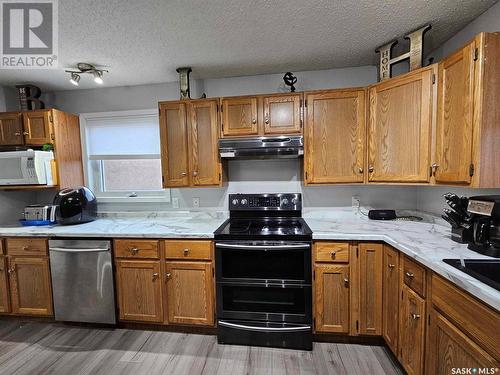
(458, 217)
(75, 206)
(485, 219)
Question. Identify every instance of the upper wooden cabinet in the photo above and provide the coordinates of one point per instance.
(189, 133)
(38, 127)
(400, 126)
(275, 114)
(468, 122)
(335, 136)
(282, 114)
(239, 116)
(11, 129)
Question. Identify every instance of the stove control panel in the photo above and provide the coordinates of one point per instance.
(263, 202)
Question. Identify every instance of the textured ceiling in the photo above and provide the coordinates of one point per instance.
(143, 41)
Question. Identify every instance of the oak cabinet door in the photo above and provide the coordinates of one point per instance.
(239, 116)
(455, 117)
(282, 114)
(205, 163)
(331, 303)
(37, 127)
(4, 287)
(139, 290)
(11, 129)
(390, 297)
(30, 286)
(449, 348)
(190, 293)
(335, 137)
(400, 128)
(412, 331)
(174, 144)
(370, 291)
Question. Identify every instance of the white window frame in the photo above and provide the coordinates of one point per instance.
(125, 196)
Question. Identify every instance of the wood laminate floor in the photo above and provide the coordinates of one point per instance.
(53, 349)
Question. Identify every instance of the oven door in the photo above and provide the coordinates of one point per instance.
(263, 261)
(290, 303)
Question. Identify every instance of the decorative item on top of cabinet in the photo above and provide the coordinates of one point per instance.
(467, 150)
(400, 128)
(390, 297)
(189, 133)
(335, 136)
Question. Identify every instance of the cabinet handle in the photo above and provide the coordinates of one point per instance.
(409, 274)
(186, 252)
(155, 276)
(266, 119)
(195, 173)
(346, 280)
(26, 133)
(183, 174)
(25, 248)
(12, 270)
(134, 250)
(254, 121)
(360, 170)
(168, 276)
(333, 254)
(371, 169)
(415, 316)
(391, 265)
(17, 134)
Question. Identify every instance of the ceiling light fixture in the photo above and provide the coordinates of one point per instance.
(75, 78)
(82, 68)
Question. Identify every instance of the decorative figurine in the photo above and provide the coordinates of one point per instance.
(290, 80)
(29, 97)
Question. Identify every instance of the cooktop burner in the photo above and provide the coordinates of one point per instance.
(263, 227)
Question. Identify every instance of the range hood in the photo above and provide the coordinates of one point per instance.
(281, 147)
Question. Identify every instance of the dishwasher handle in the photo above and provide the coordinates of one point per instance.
(76, 250)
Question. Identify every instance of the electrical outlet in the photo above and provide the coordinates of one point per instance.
(175, 202)
(196, 202)
(355, 202)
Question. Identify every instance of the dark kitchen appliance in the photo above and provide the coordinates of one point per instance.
(277, 147)
(485, 224)
(75, 206)
(382, 214)
(458, 217)
(263, 273)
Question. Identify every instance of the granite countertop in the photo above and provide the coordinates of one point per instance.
(428, 241)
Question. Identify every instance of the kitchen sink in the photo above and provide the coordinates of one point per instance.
(485, 270)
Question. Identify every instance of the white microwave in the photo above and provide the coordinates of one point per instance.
(26, 167)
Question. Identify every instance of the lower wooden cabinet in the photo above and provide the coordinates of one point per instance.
(390, 297)
(452, 349)
(30, 285)
(139, 290)
(411, 331)
(190, 297)
(4, 287)
(331, 298)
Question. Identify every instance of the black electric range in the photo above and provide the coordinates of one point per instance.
(263, 272)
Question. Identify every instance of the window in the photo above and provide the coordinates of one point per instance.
(122, 156)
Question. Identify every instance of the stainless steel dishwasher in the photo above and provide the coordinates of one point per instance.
(82, 280)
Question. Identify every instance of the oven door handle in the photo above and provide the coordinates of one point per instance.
(263, 329)
(261, 247)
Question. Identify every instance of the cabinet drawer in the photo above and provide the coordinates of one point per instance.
(335, 252)
(472, 317)
(414, 276)
(26, 246)
(137, 249)
(188, 250)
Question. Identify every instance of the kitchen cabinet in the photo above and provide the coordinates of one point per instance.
(369, 279)
(400, 128)
(190, 295)
(412, 331)
(189, 133)
(30, 285)
(38, 127)
(467, 132)
(335, 136)
(239, 116)
(11, 129)
(4, 287)
(390, 297)
(139, 289)
(282, 114)
(331, 298)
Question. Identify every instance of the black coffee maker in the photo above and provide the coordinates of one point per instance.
(485, 210)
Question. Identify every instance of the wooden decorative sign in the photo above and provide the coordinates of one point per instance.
(414, 54)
